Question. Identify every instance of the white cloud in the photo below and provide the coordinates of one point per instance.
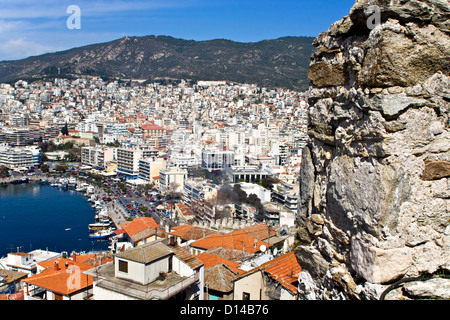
(6, 26)
(54, 9)
(31, 27)
(19, 48)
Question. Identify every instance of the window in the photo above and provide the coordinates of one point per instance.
(123, 266)
(170, 264)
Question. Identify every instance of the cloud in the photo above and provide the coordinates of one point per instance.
(19, 48)
(7, 26)
(55, 9)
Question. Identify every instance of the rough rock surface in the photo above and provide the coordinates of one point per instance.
(374, 183)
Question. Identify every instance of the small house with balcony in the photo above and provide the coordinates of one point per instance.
(152, 271)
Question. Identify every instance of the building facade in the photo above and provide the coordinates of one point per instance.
(128, 161)
(172, 179)
(20, 157)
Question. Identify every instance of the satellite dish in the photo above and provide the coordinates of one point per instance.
(275, 251)
(262, 248)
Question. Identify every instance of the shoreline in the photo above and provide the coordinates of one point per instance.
(115, 212)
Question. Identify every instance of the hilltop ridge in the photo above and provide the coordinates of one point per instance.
(281, 62)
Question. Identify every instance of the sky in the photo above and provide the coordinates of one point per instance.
(34, 27)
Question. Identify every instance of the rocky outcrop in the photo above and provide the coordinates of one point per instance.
(374, 199)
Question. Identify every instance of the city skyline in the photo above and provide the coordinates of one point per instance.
(30, 28)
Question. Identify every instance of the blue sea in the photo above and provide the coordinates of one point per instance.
(35, 216)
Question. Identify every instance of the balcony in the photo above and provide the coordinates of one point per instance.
(160, 289)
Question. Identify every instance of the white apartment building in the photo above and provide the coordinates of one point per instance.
(96, 157)
(128, 161)
(172, 179)
(184, 159)
(197, 189)
(286, 194)
(87, 127)
(20, 157)
(149, 168)
(251, 188)
(217, 159)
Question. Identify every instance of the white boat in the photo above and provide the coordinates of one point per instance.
(90, 189)
(102, 214)
(82, 187)
(72, 183)
(97, 205)
(99, 226)
(102, 234)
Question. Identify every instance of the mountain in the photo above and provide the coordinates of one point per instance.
(280, 62)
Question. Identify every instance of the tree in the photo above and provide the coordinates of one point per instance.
(44, 168)
(173, 186)
(65, 130)
(61, 168)
(4, 171)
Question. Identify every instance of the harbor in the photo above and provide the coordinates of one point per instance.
(55, 218)
(93, 194)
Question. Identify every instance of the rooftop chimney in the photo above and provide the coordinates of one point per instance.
(74, 257)
(56, 266)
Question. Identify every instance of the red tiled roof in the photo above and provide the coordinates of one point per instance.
(64, 280)
(138, 225)
(238, 240)
(189, 232)
(210, 260)
(259, 231)
(185, 211)
(284, 269)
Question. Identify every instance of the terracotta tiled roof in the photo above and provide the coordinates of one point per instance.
(189, 232)
(147, 233)
(284, 269)
(185, 211)
(229, 254)
(210, 260)
(138, 225)
(65, 280)
(238, 240)
(259, 231)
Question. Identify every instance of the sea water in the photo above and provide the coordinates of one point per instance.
(35, 216)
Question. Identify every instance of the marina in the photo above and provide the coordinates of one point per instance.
(54, 214)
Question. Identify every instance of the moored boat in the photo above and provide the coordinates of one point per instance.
(97, 205)
(82, 187)
(90, 189)
(102, 234)
(99, 226)
(19, 181)
(72, 183)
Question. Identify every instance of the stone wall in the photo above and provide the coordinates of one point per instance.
(374, 183)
